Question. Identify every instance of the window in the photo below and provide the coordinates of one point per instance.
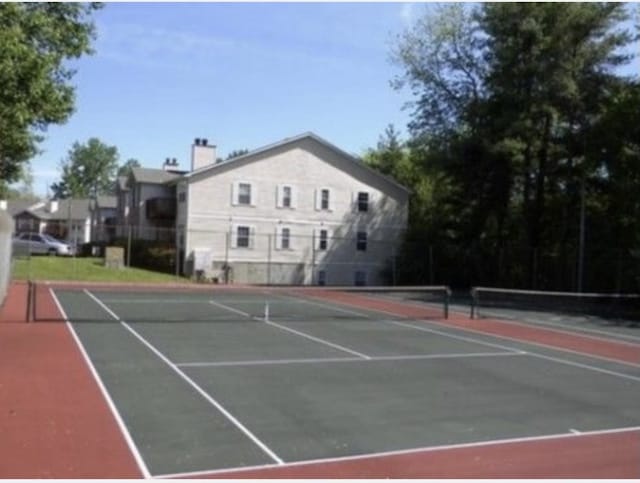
(286, 196)
(322, 277)
(285, 235)
(323, 239)
(361, 241)
(324, 199)
(283, 238)
(244, 194)
(243, 236)
(360, 278)
(363, 201)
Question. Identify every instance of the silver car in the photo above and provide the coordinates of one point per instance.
(39, 243)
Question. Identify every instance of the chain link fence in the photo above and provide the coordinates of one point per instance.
(516, 266)
(285, 258)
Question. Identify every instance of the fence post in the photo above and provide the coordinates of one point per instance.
(393, 266)
(430, 264)
(129, 245)
(313, 257)
(473, 303)
(269, 259)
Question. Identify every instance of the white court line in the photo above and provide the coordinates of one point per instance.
(329, 306)
(453, 336)
(297, 332)
(574, 431)
(319, 340)
(105, 394)
(266, 362)
(155, 301)
(563, 329)
(189, 381)
(612, 336)
(231, 309)
(426, 449)
(538, 344)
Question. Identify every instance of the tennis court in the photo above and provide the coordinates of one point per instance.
(215, 381)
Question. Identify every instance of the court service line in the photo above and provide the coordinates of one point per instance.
(317, 339)
(424, 449)
(551, 358)
(191, 382)
(535, 354)
(142, 466)
(409, 357)
(297, 332)
(496, 336)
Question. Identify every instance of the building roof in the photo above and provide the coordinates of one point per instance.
(75, 209)
(107, 202)
(16, 206)
(154, 176)
(307, 135)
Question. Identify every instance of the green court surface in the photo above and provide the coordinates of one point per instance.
(317, 380)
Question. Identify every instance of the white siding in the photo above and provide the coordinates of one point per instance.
(307, 167)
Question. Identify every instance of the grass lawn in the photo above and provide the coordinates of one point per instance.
(89, 269)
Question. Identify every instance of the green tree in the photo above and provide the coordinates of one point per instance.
(128, 165)
(518, 107)
(89, 170)
(22, 189)
(37, 39)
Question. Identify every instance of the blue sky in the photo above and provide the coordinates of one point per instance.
(242, 75)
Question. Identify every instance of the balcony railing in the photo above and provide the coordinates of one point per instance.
(161, 208)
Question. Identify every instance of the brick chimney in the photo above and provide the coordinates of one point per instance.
(202, 154)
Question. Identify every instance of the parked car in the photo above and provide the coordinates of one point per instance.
(40, 243)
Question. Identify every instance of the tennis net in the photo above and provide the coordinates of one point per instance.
(86, 302)
(605, 305)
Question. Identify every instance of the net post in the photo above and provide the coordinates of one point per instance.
(30, 293)
(266, 312)
(447, 295)
(474, 294)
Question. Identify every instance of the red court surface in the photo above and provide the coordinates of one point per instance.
(56, 423)
(614, 455)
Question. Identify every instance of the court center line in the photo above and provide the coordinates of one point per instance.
(408, 357)
(192, 383)
(142, 466)
(317, 339)
(424, 449)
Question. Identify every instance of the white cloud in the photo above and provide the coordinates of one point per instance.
(153, 47)
(407, 13)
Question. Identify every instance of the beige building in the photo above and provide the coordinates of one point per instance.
(297, 211)
(300, 211)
